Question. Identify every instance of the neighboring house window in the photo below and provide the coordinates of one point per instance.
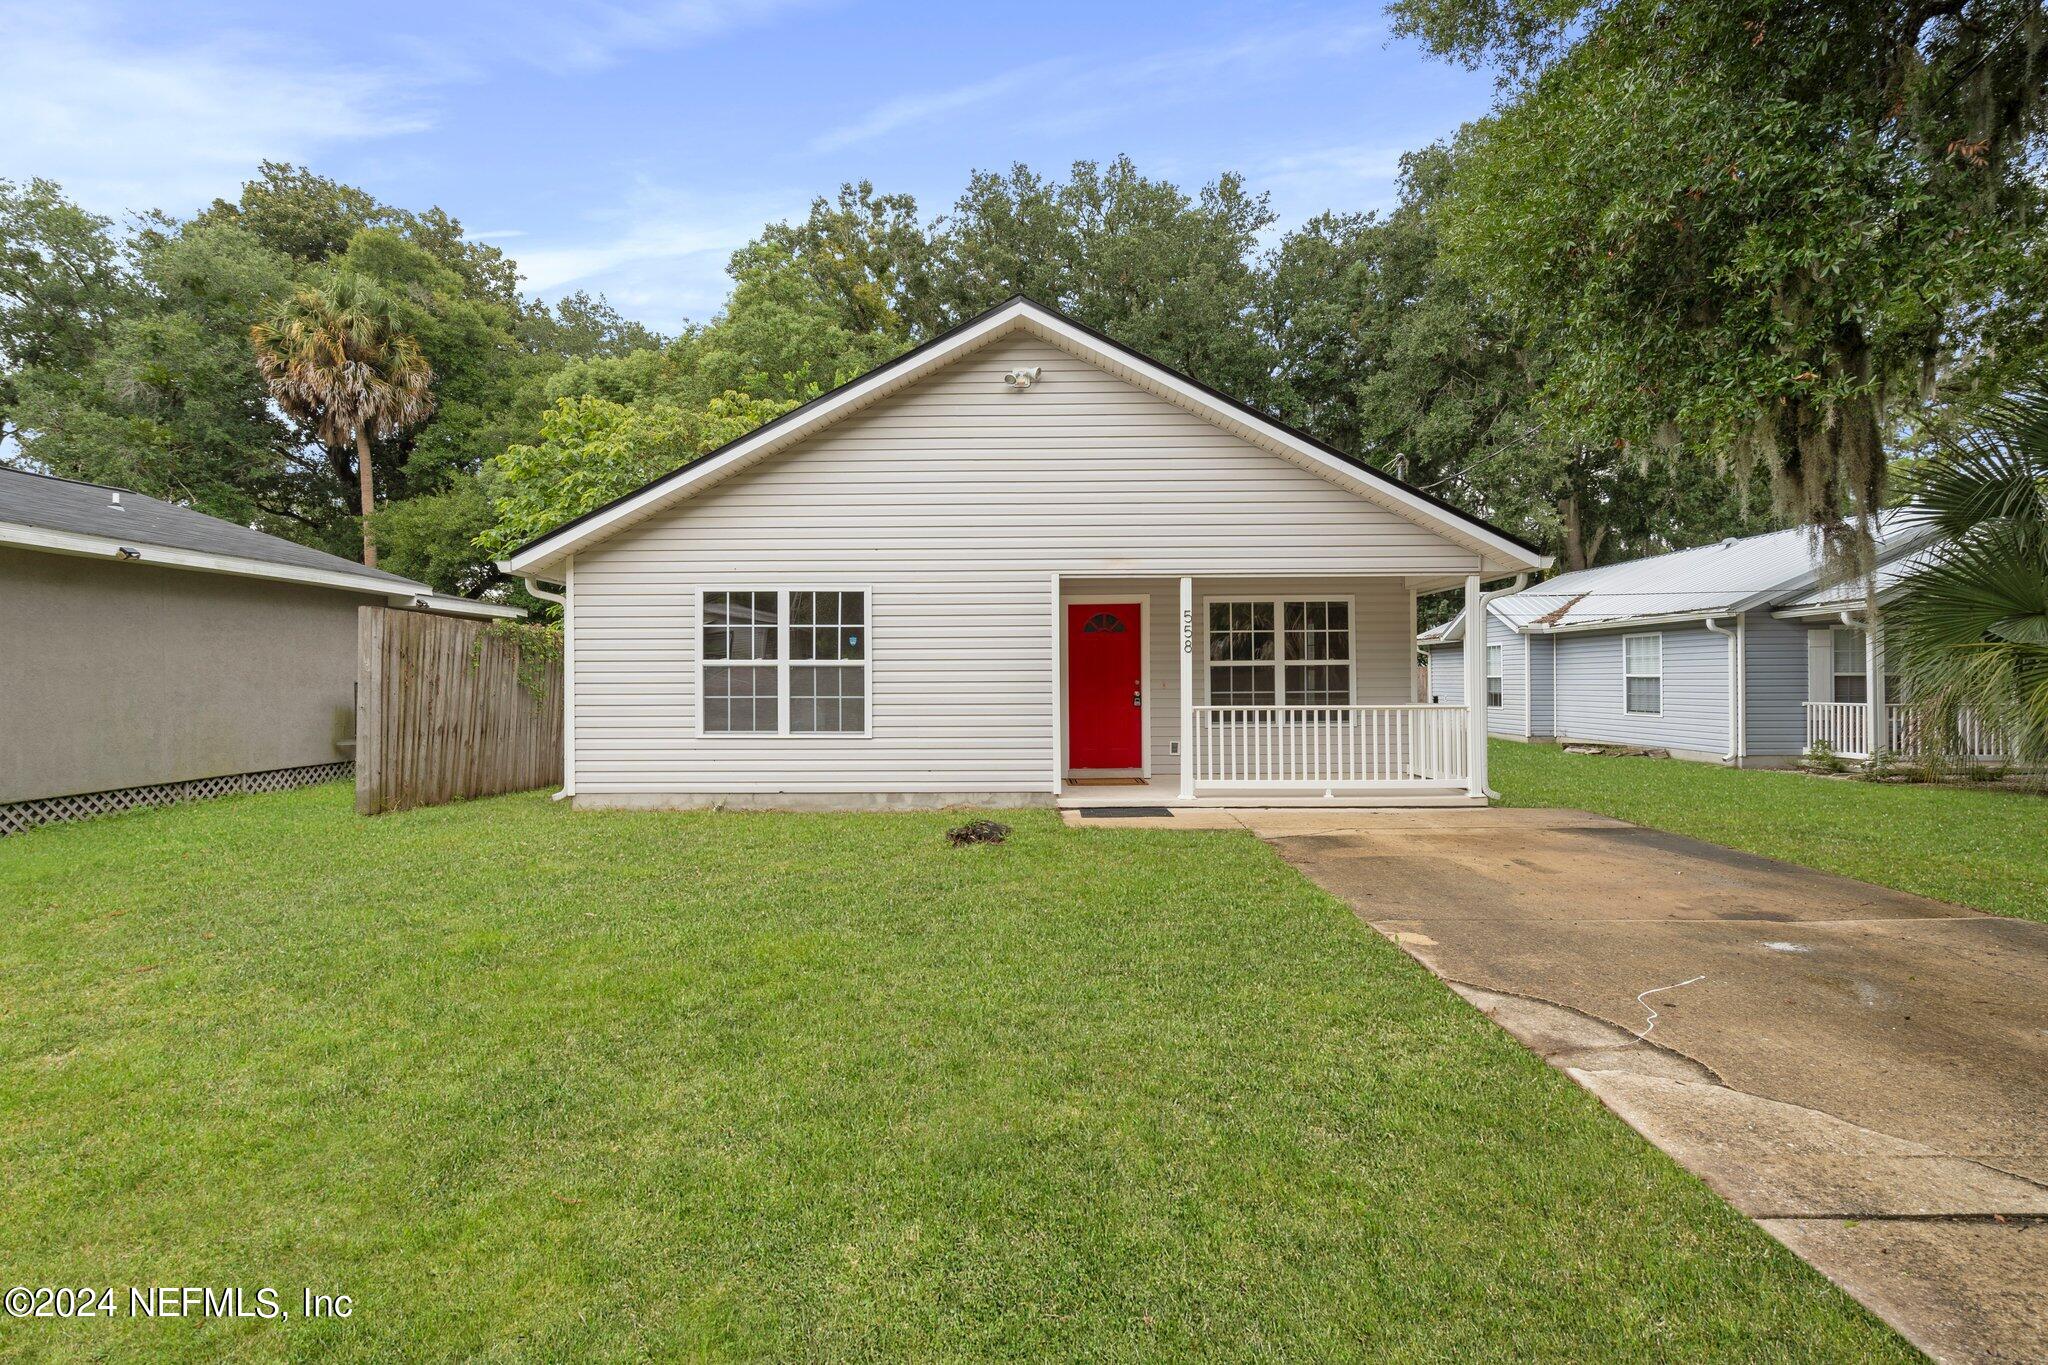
(1289, 651)
(1852, 680)
(805, 647)
(1852, 668)
(1642, 667)
(1493, 674)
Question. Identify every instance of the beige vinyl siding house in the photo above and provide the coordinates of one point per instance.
(962, 517)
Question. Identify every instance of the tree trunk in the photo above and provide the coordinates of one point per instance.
(1579, 551)
(365, 481)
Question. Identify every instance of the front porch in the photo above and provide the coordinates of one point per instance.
(1253, 692)
(1843, 729)
(1166, 792)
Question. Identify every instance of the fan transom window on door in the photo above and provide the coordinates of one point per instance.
(1103, 623)
(1285, 651)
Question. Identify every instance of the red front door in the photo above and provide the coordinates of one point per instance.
(1105, 686)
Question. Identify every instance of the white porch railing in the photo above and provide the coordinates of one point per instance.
(1840, 727)
(1844, 728)
(1326, 747)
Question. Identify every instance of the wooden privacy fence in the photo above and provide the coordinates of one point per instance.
(446, 710)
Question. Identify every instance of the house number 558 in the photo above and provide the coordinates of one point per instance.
(1187, 632)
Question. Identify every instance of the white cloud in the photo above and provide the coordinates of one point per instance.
(911, 111)
(591, 36)
(129, 126)
(660, 257)
(128, 117)
(1356, 176)
(1075, 92)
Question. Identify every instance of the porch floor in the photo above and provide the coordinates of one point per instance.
(1165, 791)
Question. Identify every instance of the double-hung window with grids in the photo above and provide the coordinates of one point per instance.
(789, 661)
(1279, 651)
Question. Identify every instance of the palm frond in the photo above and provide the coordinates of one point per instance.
(1968, 632)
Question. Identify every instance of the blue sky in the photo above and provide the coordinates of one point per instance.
(628, 147)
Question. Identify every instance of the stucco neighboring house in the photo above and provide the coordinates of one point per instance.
(155, 653)
(1020, 564)
(1740, 652)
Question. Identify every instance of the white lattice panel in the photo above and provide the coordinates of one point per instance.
(23, 815)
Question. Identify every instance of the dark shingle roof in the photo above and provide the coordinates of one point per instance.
(53, 504)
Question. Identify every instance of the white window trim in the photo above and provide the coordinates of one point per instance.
(782, 662)
(1113, 599)
(1835, 673)
(1496, 654)
(1280, 661)
(1627, 676)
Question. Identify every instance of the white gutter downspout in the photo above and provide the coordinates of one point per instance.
(568, 678)
(1737, 713)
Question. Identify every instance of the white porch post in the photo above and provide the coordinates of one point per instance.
(1415, 693)
(1475, 688)
(1059, 701)
(1187, 688)
(1873, 690)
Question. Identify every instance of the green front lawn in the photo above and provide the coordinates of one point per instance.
(1966, 845)
(527, 1083)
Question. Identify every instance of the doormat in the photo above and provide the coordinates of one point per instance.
(1105, 781)
(1122, 812)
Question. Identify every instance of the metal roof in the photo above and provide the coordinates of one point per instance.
(1729, 576)
(1848, 596)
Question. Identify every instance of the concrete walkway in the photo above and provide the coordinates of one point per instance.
(1863, 1072)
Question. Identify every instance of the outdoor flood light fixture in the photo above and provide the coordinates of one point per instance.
(1020, 380)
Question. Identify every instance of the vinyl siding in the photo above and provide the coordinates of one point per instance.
(1446, 675)
(1774, 686)
(1542, 662)
(953, 502)
(1506, 719)
(1589, 697)
(1447, 678)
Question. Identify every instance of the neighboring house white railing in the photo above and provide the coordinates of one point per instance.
(1843, 728)
(1327, 747)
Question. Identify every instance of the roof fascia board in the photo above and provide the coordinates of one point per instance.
(1059, 331)
(440, 604)
(165, 556)
(1629, 622)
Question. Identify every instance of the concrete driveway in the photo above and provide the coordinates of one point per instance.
(1862, 1071)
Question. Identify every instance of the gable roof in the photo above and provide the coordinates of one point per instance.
(1443, 632)
(1501, 550)
(1723, 579)
(67, 516)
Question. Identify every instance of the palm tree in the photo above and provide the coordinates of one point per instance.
(1969, 630)
(337, 359)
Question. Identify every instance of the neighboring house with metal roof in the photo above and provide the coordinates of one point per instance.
(1740, 652)
(1021, 564)
(154, 652)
